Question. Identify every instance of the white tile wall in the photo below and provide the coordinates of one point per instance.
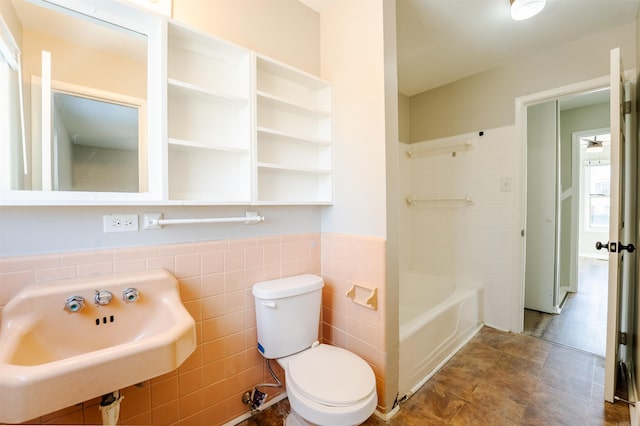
(478, 241)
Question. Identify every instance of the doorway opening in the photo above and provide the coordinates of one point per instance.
(621, 312)
(581, 319)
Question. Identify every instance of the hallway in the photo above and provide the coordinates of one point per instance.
(583, 320)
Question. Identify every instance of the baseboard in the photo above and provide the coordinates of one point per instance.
(634, 413)
(266, 405)
(387, 416)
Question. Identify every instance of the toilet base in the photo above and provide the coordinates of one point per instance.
(294, 419)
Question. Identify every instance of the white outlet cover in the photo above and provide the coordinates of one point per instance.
(120, 222)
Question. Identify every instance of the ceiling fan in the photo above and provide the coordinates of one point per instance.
(593, 145)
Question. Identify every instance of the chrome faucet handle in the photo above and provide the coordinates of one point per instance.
(130, 295)
(74, 304)
(103, 297)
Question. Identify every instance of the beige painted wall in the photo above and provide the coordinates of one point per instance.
(392, 254)
(486, 100)
(285, 30)
(76, 64)
(404, 121)
(353, 61)
(12, 21)
(361, 65)
(575, 120)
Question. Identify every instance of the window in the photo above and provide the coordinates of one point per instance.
(598, 175)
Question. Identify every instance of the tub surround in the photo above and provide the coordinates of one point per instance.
(215, 286)
(429, 338)
(454, 239)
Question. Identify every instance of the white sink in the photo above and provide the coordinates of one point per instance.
(51, 358)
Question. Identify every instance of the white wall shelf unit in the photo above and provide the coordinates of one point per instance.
(227, 126)
(209, 119)
(290, 186)
(293, 136)
(210, 176)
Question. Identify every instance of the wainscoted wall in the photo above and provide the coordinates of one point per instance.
(215, 285)
(348, 259)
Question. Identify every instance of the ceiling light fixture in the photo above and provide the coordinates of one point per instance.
(525, 9)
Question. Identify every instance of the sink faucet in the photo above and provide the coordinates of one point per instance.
(74, 304)
(130, 295)
(103, 297)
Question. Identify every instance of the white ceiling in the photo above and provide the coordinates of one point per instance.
(441, 41)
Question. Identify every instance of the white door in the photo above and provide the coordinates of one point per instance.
(619, 244)
(542, 208)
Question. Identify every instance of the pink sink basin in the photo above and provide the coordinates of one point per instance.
(51, 358)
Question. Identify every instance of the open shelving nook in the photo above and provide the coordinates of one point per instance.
(293, 136)
(209, 118)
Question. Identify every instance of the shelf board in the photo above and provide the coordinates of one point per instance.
(260, 202)
(292, 137)
(285, 103)
(182, 37)
(194, 145)
(280, 167)
(184, 89)
(201, 199)
(280, 69)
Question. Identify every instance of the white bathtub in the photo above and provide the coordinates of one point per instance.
(437, 317)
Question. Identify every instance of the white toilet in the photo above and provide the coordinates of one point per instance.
(326, 385)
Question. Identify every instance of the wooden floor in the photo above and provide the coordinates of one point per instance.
(502, 378)
(583, 320)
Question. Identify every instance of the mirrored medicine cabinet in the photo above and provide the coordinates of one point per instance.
(78, 88)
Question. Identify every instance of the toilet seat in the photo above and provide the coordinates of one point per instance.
(331, 376)
(325, 378)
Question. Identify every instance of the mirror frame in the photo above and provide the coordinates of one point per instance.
(154, 28)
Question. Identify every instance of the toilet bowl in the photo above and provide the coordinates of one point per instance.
(327, 385)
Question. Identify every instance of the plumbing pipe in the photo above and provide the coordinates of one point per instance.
(110, 408)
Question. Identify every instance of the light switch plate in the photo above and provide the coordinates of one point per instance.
(506, 184)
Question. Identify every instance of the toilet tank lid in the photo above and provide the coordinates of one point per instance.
(287, 287)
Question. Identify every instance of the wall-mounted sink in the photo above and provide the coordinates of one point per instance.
(54, 354)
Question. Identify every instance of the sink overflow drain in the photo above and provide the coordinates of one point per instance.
(105, 320)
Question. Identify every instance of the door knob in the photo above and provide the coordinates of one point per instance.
(629, 247)
(613, 247)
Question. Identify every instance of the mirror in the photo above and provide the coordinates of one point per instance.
(84, 91)
(95, 144)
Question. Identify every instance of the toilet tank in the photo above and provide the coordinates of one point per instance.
(287, 314)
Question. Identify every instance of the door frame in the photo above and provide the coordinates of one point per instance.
(521, 104)
(578, 197)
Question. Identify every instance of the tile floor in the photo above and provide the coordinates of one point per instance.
(502, 378)
(582, 324)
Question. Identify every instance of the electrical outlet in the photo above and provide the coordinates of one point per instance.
(120, 222)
